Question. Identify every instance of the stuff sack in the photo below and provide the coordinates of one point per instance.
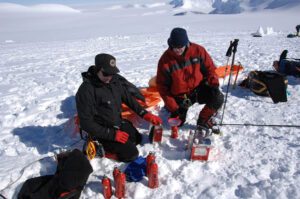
(136, 170)
(268, 84)
(71, 175)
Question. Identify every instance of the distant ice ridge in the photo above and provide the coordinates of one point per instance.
(231, 6)
(151, 5)
(40, 8)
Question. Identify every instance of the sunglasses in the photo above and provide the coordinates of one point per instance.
(178, 47)
(105, 74)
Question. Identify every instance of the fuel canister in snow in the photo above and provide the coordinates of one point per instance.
(155, 134)
(174, 133)
(116, 171)
(149, 159)
(174, 123)
(153, 175)
(120, 185)
(200, 147)
(107, 190)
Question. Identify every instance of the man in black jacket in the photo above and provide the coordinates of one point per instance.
(99, 100)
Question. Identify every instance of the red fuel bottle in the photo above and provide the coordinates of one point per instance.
(149, 159)
(153, 176)
(120, 185)
(115, 173)
(106, 184)
(157, 134)
(174, 130)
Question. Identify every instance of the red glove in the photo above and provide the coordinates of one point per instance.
(155, 120)
(121, 136)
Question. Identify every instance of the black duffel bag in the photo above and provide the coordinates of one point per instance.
(71, 175)
(267, 83)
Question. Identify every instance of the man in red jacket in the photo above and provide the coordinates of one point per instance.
(186, 75)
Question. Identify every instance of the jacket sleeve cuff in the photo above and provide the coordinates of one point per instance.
(142, 113)
(111, 133)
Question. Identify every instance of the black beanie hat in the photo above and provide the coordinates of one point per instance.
(178, 38)
(106, 63)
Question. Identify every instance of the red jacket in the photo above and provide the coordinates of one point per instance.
(178, 75)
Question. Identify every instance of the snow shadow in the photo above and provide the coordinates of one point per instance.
(51, 138)
(293, 81)
(237, 91)
(242, 93)
(44, 138)
(175, 153)
(68, 108)
(95, 186)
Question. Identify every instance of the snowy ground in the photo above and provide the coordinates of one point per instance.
(38, 81)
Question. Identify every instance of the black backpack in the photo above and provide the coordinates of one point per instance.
(268, 84)
(71, 175)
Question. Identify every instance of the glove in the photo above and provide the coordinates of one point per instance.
(155, 120)
(121, 136)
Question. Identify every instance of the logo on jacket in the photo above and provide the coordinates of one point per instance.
(195, 60)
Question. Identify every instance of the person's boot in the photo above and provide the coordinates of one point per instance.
(204, 119)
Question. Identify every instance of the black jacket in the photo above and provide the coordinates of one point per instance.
(99, 105)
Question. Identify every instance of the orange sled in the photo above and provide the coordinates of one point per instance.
(152, 98)
(223, 71)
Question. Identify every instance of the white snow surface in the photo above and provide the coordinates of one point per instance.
(41, 60)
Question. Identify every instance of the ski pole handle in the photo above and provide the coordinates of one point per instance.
(234, 45)
(229, 50)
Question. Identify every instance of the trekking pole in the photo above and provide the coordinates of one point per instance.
(263, 125)
(236, 76)
(232, 48)
(228, 55)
